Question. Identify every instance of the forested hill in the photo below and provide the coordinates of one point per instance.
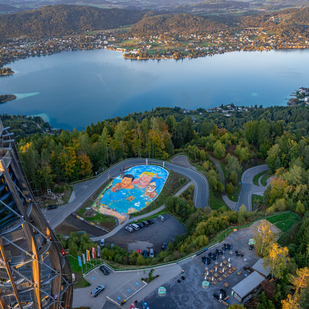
(65, 19)
(180, 23)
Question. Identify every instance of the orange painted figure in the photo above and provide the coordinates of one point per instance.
(126, 183)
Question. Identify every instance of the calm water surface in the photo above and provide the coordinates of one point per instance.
(73, 89)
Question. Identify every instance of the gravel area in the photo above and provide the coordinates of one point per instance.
(181, 160)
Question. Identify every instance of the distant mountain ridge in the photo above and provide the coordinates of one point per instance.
(180, 23)
(58, 20)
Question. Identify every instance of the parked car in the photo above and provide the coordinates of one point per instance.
(161, 218)
(140, 224)
(135, 227)
(151, 253)
(145, 254)
(150, 221)
(102, 242)
(145, 223)
(104, 270)
(164, 246)
(129, 228)
(97, 290)
(52, 207)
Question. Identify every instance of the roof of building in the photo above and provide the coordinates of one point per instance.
(259, 267)
(244, 287)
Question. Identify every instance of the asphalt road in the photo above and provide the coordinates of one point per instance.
(200, 199)
(248, 188)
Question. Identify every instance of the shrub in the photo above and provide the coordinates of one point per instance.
(229, 188)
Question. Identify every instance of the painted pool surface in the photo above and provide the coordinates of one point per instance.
(134, 190)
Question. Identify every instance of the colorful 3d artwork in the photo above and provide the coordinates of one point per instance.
(134, 190)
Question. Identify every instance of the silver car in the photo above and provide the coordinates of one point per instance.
(97, 290)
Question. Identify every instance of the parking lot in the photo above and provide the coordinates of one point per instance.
(190, 294)
(149, 237)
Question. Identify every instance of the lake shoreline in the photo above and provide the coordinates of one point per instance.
(7, 97)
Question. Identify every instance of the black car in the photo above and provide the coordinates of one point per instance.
(251, 247)
(145, 223)
(104, 270)
(223, 293)
(164, 246)
(210, 254)
(140, 224)
(52, 207)
(150, 221)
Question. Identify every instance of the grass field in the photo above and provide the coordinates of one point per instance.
(234, 196)
(284, 221)
(257, 177)
(264, 180)
(215, 202)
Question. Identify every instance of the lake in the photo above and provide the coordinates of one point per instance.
(73, 89)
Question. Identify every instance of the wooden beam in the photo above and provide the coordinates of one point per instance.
(8, 269)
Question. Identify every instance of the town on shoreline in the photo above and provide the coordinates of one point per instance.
(164, 46)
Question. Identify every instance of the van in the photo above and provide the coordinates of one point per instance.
(135, 226)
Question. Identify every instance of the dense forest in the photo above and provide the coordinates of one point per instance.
(272, 135)
(180, 23)
(60, 20)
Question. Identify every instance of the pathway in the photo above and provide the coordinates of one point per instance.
(227, 201)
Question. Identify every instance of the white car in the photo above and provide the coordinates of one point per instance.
(129, 228)
(151, 253)
(161, 218)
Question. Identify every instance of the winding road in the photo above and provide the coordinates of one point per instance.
(86, 189)
(248, 188)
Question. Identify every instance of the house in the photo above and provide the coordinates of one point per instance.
(244, 289)
(260, 268)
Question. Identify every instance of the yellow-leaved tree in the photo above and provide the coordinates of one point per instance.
(276, 260)
(301, 283)
(263, 238)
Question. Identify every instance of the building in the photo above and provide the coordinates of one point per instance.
(34, 270)
(260, 268)
(244, 289)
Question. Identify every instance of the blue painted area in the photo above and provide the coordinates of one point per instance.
(136, 283)
(93, 278)
(137, 188)
(118, 297)
(128, 291)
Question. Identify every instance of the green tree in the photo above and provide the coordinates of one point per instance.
(219, 150)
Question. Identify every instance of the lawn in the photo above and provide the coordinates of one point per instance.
(215, 202)
(284, 221)
(264, 180)
(234, 196)
(257, 177)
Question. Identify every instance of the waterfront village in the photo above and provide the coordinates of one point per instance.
(164, 46)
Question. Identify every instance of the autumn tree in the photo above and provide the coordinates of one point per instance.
(276, 260)
(263, 237)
